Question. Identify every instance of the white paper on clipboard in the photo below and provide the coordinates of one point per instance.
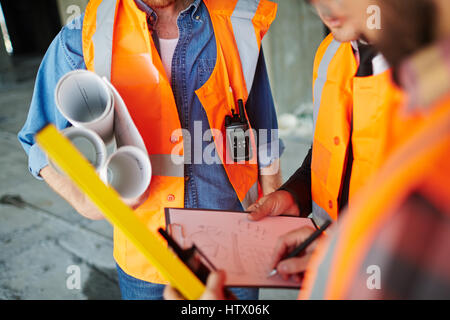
(232, 243)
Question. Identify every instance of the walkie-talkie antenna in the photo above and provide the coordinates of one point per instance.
(241, 111)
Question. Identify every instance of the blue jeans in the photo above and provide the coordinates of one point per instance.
(135, 289)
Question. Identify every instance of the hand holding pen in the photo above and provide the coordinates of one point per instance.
(293, 252)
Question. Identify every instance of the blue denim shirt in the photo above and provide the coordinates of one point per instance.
(207, 186)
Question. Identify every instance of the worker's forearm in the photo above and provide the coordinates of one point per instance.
(69, 192)
(270, 177)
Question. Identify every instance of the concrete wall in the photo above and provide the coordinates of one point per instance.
(66, 11)
(290, 47)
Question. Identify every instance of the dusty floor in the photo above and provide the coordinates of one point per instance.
(41, 236)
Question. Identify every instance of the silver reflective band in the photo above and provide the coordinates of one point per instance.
(163, 165)
(245, 35)
(322, 75)
(319, 215)
(323, 272)
(103, 38)
(251, 197)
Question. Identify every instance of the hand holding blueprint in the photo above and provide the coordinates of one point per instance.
(232, 243)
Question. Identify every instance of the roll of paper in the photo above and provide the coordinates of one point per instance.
(98, 114)
(86, 101)
(129, 172)
(90, 145)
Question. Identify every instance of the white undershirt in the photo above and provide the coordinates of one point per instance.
(167, 47)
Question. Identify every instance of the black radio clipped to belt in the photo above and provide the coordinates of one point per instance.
(238, 139)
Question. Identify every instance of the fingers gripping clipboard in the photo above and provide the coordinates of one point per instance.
(77, 168)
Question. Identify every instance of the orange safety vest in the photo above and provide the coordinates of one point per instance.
(340, 98)
(420, 161)
(117, 44)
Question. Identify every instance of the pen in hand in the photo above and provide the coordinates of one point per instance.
(302, 246)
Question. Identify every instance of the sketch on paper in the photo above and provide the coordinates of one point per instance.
(233, 243)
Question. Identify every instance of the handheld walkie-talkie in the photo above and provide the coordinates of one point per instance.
(196, 261)
(238, 139)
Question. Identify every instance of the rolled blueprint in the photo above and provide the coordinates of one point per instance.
(92, 104)
(85, 100)
(129, 172)
(90, 145)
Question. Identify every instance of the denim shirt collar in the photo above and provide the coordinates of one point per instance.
(152, 16)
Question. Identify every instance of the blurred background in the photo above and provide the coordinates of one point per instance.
(40, 235)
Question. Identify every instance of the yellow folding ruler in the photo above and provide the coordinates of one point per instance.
(76, 167)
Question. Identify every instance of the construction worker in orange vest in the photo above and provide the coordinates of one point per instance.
(182, 68)
(393, 242)
(354, 98)
(352, 95)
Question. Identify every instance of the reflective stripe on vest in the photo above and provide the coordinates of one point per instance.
(244, 33)
(103, 38)
(319, 287)
(319, 215)
(322, 77)
(167, 165)
(251, 197)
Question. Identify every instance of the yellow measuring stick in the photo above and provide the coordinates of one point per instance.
(83, 174)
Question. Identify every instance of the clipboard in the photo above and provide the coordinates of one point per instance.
(240, 247)
(80, 171)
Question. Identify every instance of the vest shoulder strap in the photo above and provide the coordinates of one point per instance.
(260, 13)
(325, 54)
(245, 9)
(250, 21)
(322, 49)
(98, 30)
